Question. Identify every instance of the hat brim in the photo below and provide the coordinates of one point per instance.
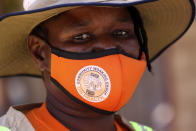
(165, 21)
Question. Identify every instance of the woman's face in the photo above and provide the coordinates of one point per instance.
(91, 29)
(83, 29)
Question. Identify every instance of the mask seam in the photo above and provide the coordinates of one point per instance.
(88, 55)
(121, 82)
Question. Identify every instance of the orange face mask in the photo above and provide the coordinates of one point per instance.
(104, 82)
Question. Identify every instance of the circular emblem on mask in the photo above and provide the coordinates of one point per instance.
(93, 83)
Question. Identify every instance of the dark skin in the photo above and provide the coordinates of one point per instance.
(84, 29)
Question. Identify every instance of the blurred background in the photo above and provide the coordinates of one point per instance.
(164, 99)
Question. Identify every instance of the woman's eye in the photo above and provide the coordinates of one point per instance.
(121, 34)
(81, 38)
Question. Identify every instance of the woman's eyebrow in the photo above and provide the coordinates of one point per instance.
(74, 26)
(78, 24)
(82, 23)
(124, 19)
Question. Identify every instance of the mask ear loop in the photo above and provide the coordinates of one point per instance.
(141, 35)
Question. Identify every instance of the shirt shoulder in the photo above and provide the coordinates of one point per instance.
(140, 127)
(15, 121)
(131, 125)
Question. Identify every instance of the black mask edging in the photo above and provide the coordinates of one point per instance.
(88, 55)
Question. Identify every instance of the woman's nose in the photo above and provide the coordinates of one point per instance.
(100, 48)
(103, 45)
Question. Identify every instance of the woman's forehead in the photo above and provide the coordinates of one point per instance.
(86, 15)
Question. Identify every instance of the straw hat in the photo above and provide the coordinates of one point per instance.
(165, 21)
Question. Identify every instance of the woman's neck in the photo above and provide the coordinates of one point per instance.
(75, 116)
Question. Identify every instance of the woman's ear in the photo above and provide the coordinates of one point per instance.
(39, 51)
